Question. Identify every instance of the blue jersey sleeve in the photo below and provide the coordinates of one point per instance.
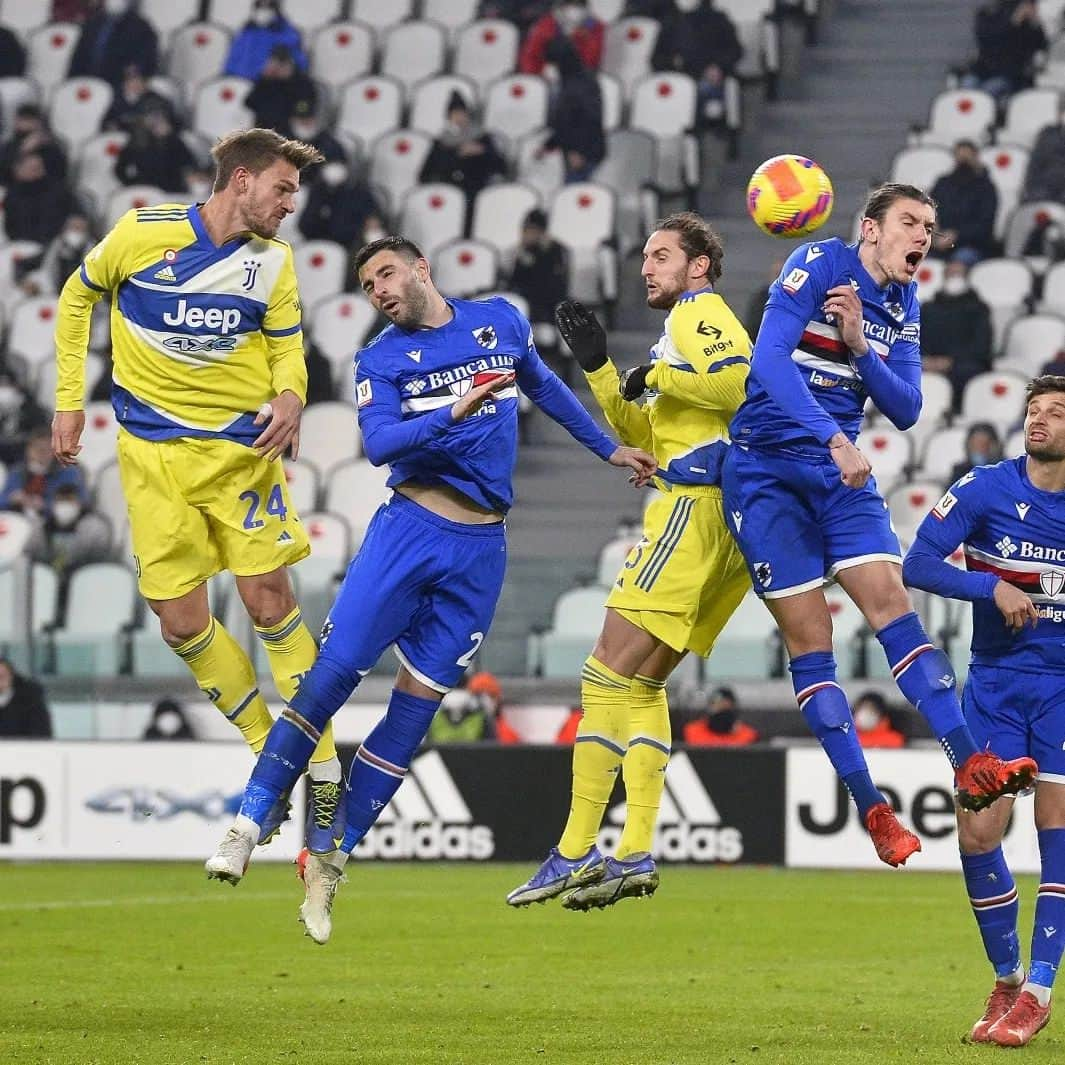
(948, 524)
(896, 389)
(794, 298)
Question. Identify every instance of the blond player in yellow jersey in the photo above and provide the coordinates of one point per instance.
(209, 387)
(679, 585)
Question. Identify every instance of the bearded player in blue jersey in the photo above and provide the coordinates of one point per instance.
(1011, 520)
(437, 402)
(842, 325)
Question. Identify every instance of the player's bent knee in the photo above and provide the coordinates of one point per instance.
(323, 691)
(978, 836)
(267, 597)
(933, 668)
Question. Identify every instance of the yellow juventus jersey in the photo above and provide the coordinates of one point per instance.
(696, 383)
(202, 334)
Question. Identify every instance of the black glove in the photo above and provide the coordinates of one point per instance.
(581, 330)
(633, 383)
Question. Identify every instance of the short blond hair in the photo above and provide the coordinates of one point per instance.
(256, 150)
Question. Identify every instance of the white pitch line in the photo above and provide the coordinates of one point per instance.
(142, 900)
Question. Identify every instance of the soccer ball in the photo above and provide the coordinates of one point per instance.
(789, 196)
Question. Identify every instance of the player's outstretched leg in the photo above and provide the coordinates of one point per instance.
(632, 877)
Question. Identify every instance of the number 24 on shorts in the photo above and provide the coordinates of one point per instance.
(275, 505)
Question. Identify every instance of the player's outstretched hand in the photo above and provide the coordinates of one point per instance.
(844, 307)
(283, 413)
(633, 383)
(854, 468)
(1016, 608)
(643, 466)
(67, 427)
(582, 332)
(472, 402)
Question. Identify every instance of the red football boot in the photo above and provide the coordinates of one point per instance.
(998, 1004)
(1025, 1018)
(985, 777)
(894, 842)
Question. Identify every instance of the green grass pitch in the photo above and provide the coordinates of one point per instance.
(123, 964)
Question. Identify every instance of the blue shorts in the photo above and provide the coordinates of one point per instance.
(1018, 713)
(797, 523)
(424, 583)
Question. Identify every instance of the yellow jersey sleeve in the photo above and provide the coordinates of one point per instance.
(628, 420)
(714, 352)
(283, 330)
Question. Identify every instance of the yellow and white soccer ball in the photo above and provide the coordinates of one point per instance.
(789, 196)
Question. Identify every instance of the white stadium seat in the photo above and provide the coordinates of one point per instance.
(1006, 165)
(13, 92)
(218, 107)
(996, 397)
(396, 160)
(451, 14)
(748, 647)
(1027, 112)
(127, 197)
(99, 437)
(942, 451)
(77, 108)
(355, 489)
(849, 628)
(929, 278)
(381, 16)
(1005, 285)
(412, 52)
(321, 266)
(197, 54)
(309, 16)
(577, 618)
(627, 48)
(110, 501)
(233, 14)
(167, 16)
(960, 114)
(922, 166)
(429, 100)
(612, 557)
(95, 166)
(909, 503)
(937, 395)
(329, 434)
(303, 484)
(1053, 300)
(433, 215)
(342, 51)
(101, 600)
(498, 213)
(331, 549)
(582, 217)
(630, 168)
(543, 171)
(758, 34)
(1026, 218)
(32, 332)
(48, 50)
(485, 50)
(612, 94)
(515, 105)
(888, 452)
(22, 17)
(465, 268)
(370, 107)
(338, 326)
(663, 105)
(15, 532)
(1031, 342)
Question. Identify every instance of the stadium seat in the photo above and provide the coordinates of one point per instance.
(433, 215)
(942, 451)
(545, 172)
(13, 92)
(607, 10)
(909, 503)
(98, 439)
(1027, 217)
(168, 16)
(197, 54)
(1031, 342)
(48, 50)
(15, 532)
(958, 114)
(515, 105)
(218, 107)
(1005, 285)
(749, 646)
(12, 257)
(996, 397)
(43, 590)
(321, 267)
(32, 331)
(341, 51)
(929, 278)
(413, 51)
(612, 556)
(309, 16)
(451, 14)
(355, 489)
(888, 451)
(1006, 165)
(664, 106)
(429, 100)
(937, 400)
(78, 105)
(613, 97)
(370, 107)
(1027, 112)
(1053, 301)
(318, 574)
(758, 34)
(233, 14)
(23, 17)
(498, 213)
(396, 160)
(303, 484)
(1014, 444)
(94, 167)
(329, 434)
(110, 501)
(381, 17)
(44, 379)
(485, 50)
(627, 48)
(101, 600)
(465, 268)
(576, 620)
(582, 217)
(127, 197)
(849, 629)
(630, 168)
(339, 326)
(921, 166)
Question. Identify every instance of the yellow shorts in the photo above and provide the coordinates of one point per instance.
(200, 506)
(686, 576)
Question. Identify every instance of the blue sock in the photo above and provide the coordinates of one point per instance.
(825, 708)
(924, 675)
(381, 763)
(993, 897)
(1048, 934)
(295, 734)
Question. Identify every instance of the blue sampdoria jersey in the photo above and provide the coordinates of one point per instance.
(1011, 531)
(407, 380)
(805, 385)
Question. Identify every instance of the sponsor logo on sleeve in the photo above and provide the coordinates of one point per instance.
(363, 393)
(795, 280)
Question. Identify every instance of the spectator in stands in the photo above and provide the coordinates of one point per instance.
(62, 257)
(956, 330)
(486, 687)
(541, 269)
(340, 207)
(523, 13)
(23, 710)
(460, 719)
(281, 92)
(967, 200)
(132, 100)
(72, 10)
(1045, 177)
(70, 534)
(568, 20)
(169, 722)
(155, 154)
(32, 483)
(12, 55)
(1056, 366)
(112, 38)
(872, 722)
(463, 154)
(1009, 36)
(576, 114)
(265, 30)
(308, 126)
(30, 133)
(719, 724)
(20, 414)
(37, 203)
(703, 44)
(983, 446)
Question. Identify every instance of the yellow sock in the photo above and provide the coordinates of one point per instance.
(597, 754)
(291, 651)
(644, 765)
(225, 675)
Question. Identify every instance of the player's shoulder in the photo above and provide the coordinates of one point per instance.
(380, 346)
(992, 477)
(498, 306)
(157, 215)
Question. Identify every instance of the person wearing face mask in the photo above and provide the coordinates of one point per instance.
(23, 710)
(568, 19)
(62, 256)
(967, 201)
(719, 724)
(872, 720)
(32, 484)
(262, 33)
(306, 125)
(69, 534)
(155, 154)
(340, 207)
(956, 336)
(114, 37)
(281, 91)
(983, 447)
(169, 722)
(19, 415)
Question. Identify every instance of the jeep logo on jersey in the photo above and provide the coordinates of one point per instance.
(689, 826)
(427, 819)
(223, 321)
(486, 337)
(1052, 581)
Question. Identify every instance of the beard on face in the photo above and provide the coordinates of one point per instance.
(1044, 451)
(668, 292)
(413, 302)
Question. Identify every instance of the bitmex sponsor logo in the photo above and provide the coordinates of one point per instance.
(428, 819)
(690, 828)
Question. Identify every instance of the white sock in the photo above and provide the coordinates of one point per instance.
(1041, 993)
(327, 770)
(246, 826)
(1015, 978)
(338, 858)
